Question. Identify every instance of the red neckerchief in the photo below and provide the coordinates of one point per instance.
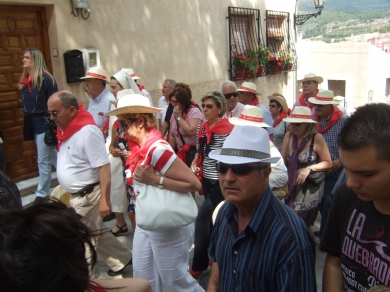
(82, 119)
(140, 87)
(303, 102)
(137, 157)
(335, 115)
(27, 82)
(95, 286)
(281, 117)
(255, 101)
(222, 127)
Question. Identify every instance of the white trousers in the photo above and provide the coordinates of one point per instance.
(161, 257)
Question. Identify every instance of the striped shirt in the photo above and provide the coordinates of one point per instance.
(275, 252)
(331, 135)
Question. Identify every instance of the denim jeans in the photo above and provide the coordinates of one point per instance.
(47, 156)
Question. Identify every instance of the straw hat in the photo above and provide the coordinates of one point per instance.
(121, 94)
(133, 104)
(249, 87)
(312, 77)
(300, 114)
(323, 97)
(250, 116)
(130, 71)
(96, 73)
(245, 144)
(280, 98)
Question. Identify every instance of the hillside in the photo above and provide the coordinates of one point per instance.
(348, 6)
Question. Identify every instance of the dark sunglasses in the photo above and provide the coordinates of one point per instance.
(124, 124)
(229, 95)
(272, 106)
(319, 105)
(208, 105)
(238, 169)
(296, 124)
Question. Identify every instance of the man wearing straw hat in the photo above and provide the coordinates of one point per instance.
(83, 169)
(330, 121)
(95, 84)
(309, 89)
(247, 94)
(258, 243)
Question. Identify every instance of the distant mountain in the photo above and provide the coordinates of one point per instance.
(348, 6)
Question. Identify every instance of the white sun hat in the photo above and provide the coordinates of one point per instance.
(250, 116)
(323, 97)
(281, 99)
(312, 77)
(130, 71)
(96, 73)
(300, 114)
(133, 104)
(249, 87)
(245, 144)
(121, 94)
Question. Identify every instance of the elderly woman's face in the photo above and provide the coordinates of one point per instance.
(274, 109)
(210, 109)
(127, 126)
(299, 129)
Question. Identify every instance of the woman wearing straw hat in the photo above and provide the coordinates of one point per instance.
(307, 158)
(160, 256)
(279, 110)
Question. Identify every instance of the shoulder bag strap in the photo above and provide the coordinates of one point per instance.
(181, 137)
(309, 162)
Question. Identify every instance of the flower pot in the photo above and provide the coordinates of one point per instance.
(260, 71)
(274, 68)
(239, 73)
(281, 67)
(288, 67)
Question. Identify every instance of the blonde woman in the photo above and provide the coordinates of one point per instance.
(37, 85)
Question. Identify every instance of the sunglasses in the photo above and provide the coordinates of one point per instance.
(56, 114)
(208, 105)
(124, 124)
(319, 105)
(238, 169)
(296, 124)
(229, 95)
(272, 106)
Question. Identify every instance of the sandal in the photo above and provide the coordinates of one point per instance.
(120, 231)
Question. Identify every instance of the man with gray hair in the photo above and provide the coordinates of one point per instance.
(233, 107)
(83, 169)
(163, 102)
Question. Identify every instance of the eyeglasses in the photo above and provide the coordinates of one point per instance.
(229, 95)
(208, 105)
(296, 124)
(55, 113)
(307, 82)
(124, 124)
(174, 101)
(238, 169)
(272, 106)
(319, 105)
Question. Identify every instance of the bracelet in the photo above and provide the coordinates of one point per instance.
(178, 118)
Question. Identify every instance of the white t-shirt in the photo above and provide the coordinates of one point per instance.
(162, 103)
(80, 157)
(278, 177)
(145, 93)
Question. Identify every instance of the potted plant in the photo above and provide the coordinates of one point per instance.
(281, 63)
(239, 63)
(250, 64)
(273, 65)
(262, 54)
(289, 62)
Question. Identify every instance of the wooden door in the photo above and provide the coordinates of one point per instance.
(21, 27)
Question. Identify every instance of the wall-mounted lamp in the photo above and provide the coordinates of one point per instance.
(301, 19)
(83, 6)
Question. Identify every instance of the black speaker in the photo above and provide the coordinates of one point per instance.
(74, 66)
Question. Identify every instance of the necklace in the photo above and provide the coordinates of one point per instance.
(25, 110)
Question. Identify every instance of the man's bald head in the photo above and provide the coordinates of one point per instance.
(67, 98)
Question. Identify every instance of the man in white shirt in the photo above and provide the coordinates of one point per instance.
(233, 107)
(83, 169)
(163, 102)
(95, 84)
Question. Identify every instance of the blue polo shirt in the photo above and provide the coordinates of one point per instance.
(275, 252)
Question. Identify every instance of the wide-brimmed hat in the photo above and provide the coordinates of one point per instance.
(249, 87)
(313, 77)
(280, 98)
(121, 94)
(323, 97)
(96, 73)
(130, 71)
(300, 114)
(133, 104)
(245, 144)
(250, 116)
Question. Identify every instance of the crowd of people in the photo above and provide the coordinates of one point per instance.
(265, 172)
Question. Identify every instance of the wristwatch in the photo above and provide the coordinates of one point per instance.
(178, 119)
(311, 169)
(160, 184)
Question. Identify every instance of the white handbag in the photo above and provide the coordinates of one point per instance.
(162, 209)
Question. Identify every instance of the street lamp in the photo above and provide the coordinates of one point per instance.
(301, 19)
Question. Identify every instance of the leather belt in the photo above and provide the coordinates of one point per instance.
(85, 190)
